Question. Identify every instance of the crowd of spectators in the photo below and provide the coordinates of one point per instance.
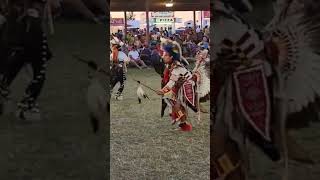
(142, 54)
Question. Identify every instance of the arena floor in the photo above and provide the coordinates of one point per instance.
(62, 145)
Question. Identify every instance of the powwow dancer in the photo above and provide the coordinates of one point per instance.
(3, 24)
(179, 91)
(160, 68)
(27, 43)
(202, 72)
(118, 69)
(260, 85)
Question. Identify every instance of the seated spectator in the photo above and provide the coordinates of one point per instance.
(204, 43)
(206, 31)
(137, 42)
(154, 56)
(200, 36)
(135, 58)
(143, 39)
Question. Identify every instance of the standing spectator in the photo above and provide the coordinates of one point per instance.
(200, 36)
(145, 54)
(130, 38)
(170, 31)
(206, 31)
(159, 50)
(166, 33)
(198, 29)
(155, 29)
(120, 35)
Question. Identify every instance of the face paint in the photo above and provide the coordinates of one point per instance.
(167, 59)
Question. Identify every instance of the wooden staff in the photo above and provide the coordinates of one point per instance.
(90, 63)
(146, 86)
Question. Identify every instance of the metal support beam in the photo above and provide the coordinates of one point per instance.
(148, 25)
(125, 25)
(201, 19)
(194, 21)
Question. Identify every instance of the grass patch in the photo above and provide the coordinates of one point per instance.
(61, 146)
(144, 146)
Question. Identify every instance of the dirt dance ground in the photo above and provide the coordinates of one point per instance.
(264, 169)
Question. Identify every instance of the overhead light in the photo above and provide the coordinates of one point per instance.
(169, 4)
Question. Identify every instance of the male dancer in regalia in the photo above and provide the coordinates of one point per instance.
(118, 69)
(27, 44)
(179, 86)
(256, 86)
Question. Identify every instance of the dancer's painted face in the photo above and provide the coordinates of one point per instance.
(167, 58)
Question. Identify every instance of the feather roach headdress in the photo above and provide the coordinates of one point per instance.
(116, 42)
(174, 49)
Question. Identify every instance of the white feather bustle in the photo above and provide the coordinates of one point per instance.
(298, 62)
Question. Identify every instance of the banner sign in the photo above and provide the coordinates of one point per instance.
(162, 14)
(206, 14)
(117, 22)
(164, 20)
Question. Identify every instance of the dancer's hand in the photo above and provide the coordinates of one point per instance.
(160, 93)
